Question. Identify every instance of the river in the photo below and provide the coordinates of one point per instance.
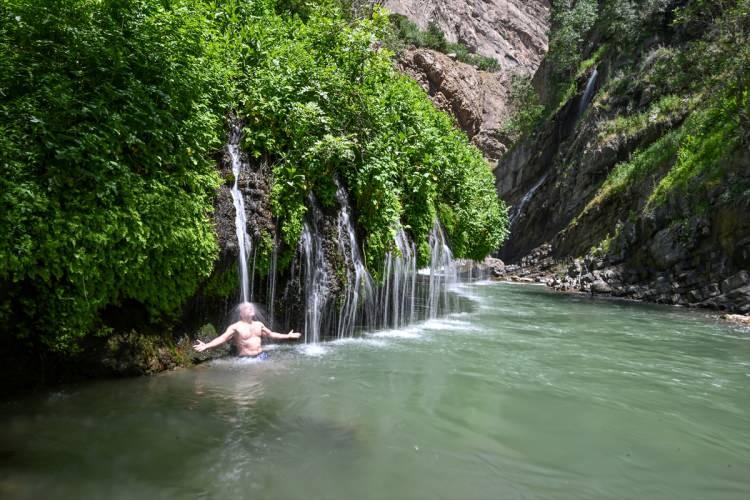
(525, 394)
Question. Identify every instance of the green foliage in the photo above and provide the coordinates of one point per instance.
(324, 103)
(571, 22)
(528, 110)
(405, 32)
(644, 163)
(110, 112)
(111, 118)
(693, 156)
(661, 112)
(708, 138)
(720, 58)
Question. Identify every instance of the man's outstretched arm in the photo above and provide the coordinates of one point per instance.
(224, 337)
(280, 336)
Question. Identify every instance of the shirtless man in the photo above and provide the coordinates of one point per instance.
(246, 334)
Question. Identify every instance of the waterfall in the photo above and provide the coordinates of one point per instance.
(240, 218)
(443, 274)
(588, 93)
(397, 298)
(316, 282)
(518, 210)
(358, 289)
(271, 295)
(339, 295)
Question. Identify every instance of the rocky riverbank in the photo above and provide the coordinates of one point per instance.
(598, 276)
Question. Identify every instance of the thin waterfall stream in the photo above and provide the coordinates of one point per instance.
(588, 93)
(240, 219)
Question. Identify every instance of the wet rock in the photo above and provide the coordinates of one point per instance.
(601, 287)
(496, 266)
(206, 334)
(736, 281)
(665, 249)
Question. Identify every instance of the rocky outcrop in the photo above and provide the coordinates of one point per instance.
(512, 31)
(687, 244)
(674, 258)
(477, 99)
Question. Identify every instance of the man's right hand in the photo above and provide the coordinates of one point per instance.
(200, 346)
(293, 335)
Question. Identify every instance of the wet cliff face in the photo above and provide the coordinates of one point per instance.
(512, 32)
(636, 185)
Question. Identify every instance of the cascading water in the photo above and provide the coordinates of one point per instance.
(397, 298)
(316, 278)
(588, 93)
(358, 290)
(443, 274)
(518, 210)
(338, 303)
(240, 218)
(271, 296)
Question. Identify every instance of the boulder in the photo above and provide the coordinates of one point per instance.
(600, 287)
(666, 250)
(738, 280)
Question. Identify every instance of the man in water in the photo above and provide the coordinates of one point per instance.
(246, 334)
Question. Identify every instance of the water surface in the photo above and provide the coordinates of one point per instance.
(526, 395)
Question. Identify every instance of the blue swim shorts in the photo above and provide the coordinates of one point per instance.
(260, 357)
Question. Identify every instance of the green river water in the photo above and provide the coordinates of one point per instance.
(527, 394)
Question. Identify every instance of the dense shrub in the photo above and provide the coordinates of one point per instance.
(109, 112)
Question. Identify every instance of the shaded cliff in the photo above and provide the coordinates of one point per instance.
(641, 167)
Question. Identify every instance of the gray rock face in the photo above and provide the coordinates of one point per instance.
(665, 249)
(601, 287)
(477, 99)
(512, 31)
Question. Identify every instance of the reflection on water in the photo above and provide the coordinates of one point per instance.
(525, 394)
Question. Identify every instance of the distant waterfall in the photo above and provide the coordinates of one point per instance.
(240, 218)
(518, 210)
(588, 93)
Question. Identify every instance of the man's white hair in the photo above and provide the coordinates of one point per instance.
(247, 311)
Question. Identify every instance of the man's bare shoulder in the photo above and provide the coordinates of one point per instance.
(237, 326)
